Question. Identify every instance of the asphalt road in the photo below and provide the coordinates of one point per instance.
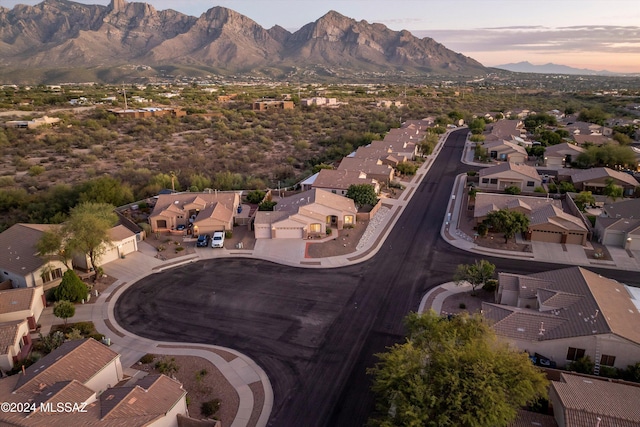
(315, 332)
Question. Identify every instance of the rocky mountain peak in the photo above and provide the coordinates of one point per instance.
(117, 5)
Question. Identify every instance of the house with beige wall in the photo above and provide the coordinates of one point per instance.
(339, 181)
(15, 343)
(305, 214)
(122, 242)
(208, 212)
(509, 174)
(19, 261)
(506, 151)
(595, 179)
(567, 314)
(87, 372)
(374, 168)
(561, 155)
(17, 304)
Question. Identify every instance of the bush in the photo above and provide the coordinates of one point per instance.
(267, 205)
(483, 230)
(36, 170)
(228, 234)
(472, 173)
(85, 328)
(406, 168)
(210, 408)
(98, 337)
(147, 358)
(71, 288)
(490, 285)
(512, 190)
(396, 184)
(255, 196)
(539, 189)
(167, 366)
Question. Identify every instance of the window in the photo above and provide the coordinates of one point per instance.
(56, 274)
(348, 219)
(607, 360)
(315, 228)
(575, 353)
(485, 180)
(494, 180)
(530, 183)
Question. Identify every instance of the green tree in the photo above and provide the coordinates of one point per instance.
(452, 373)
(71, 288)
(566, 187)
(406, 168)
(362, 194)
(475, 274)
(88, 230)
(508, 222)
(52, 244)
(583, 199)
(583, 365)
(106, 190)
(64, 310)
(255, 196)
(512, 189)
(612, 190)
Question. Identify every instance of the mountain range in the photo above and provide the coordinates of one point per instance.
(57, 38)
(550, 68)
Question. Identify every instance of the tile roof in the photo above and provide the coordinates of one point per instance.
(9, 334)
(18, 248)
(152, 395)
(79, 359)
(551, 214)
(175, 202)
(18, 299)
(507, 145)
(368, 166)
(120, 233)
(533, 419)
(487, 202)
(587, 399)
(604, 307)
(629, 208)
(563, 149)
(594, 139)
(599, 173)
(623, 224)
(520, 168)
(340, 179)
(521, 323)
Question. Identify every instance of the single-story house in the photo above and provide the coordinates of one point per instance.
(595, 179)
(582, 140)
(339, 181)
(547, 221)
(208, 212)
(86, 372)
(619, 224)
(506, 151)
(18, 304)
(561, 155)
(306, 214)
(123, 242)
(506, 129)
(580, 400)
(509, 174)
(488, 202)
(566, 314)
(385, 155)
(584, 128)
(374, 168)
(15, 343)
(621, 232)
(19, 261)
(551, 224)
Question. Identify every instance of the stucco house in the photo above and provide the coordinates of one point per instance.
(566, 314)
(22, 303)
(595, 179)
(19, 261)
(561, 155)
(506, 151)
(306, 214)
(619, 224)
(86, 372)
(15, 343)
(506, 129)
(208, 212)
(547, 221)
(123, 242)
(509, 174)
(374, 168)
(580, 400)
(339, 181)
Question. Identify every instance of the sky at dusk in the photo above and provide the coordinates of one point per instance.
(593, 34)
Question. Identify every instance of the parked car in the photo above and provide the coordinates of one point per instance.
(203, 241)
(218, 239)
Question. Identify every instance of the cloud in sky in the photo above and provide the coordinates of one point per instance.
(605, 47)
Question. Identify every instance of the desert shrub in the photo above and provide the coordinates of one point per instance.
(228, 234)
(36, 170)
(96, 336)
(491, 285)
(167, 366)
(147, 358)
(267, 205)
(406, 168)
(483, 230)
(210, 408)
(512, 190)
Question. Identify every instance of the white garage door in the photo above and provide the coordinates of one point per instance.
(263, 232)
(614, 238)
(289, 233)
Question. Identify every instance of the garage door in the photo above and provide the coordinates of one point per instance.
(262, 232)
(634, 245)
(128, 247)
(289, 233)
(111, 254)
(574, 239)
(546, 236)
(613, 238)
